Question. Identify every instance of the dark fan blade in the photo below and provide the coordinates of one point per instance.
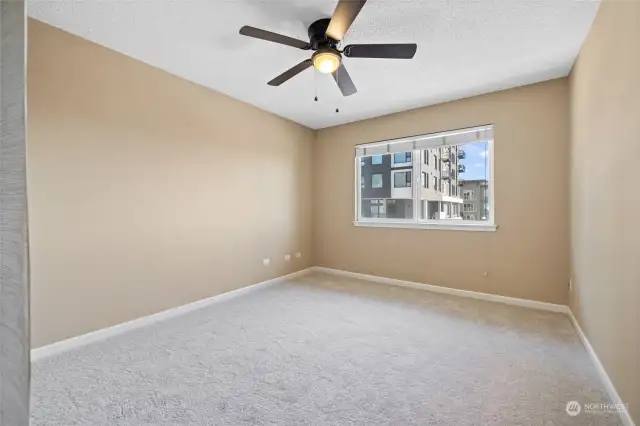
(342, 77)
(344, 15)
(290, 73)
(386, 51)
(276, 38)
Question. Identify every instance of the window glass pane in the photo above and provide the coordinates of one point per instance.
(386, 193)
(376, 208)
(402, 157)
(376, 180)
(402, 179)
(460, 184)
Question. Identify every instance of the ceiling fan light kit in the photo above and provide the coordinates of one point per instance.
(324, 37)
(326, 60)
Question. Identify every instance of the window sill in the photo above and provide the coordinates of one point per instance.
(474, 227)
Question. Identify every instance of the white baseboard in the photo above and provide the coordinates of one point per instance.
(104, 333)
(446, 290)
(625, 417)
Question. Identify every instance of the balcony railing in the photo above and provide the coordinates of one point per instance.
(445, 174)
(445, 155)
(462, 168)
(461, 154)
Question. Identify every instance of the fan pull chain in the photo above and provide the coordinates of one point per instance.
(317, 89)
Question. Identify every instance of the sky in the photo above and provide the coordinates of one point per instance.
(476, 162)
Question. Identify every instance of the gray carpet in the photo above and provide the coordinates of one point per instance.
(325, 350)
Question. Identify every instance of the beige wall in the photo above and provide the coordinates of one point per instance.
(605, 204)
(147, 192)
(526, 257)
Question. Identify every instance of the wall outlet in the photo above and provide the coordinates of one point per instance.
(266, 262)
(298, 255)
(287, 257)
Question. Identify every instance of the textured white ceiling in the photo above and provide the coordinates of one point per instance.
(465, 47)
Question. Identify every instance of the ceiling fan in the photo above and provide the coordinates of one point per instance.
(325, 36)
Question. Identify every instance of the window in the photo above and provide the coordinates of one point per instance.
(402, 179)
(376, 180)
(402, 159)
(377, 208)
(392, 199)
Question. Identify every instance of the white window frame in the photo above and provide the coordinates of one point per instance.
(416, 222)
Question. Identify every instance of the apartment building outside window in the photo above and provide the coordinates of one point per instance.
(460, 164)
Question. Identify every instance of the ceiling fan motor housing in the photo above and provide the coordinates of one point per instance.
(318, 37)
